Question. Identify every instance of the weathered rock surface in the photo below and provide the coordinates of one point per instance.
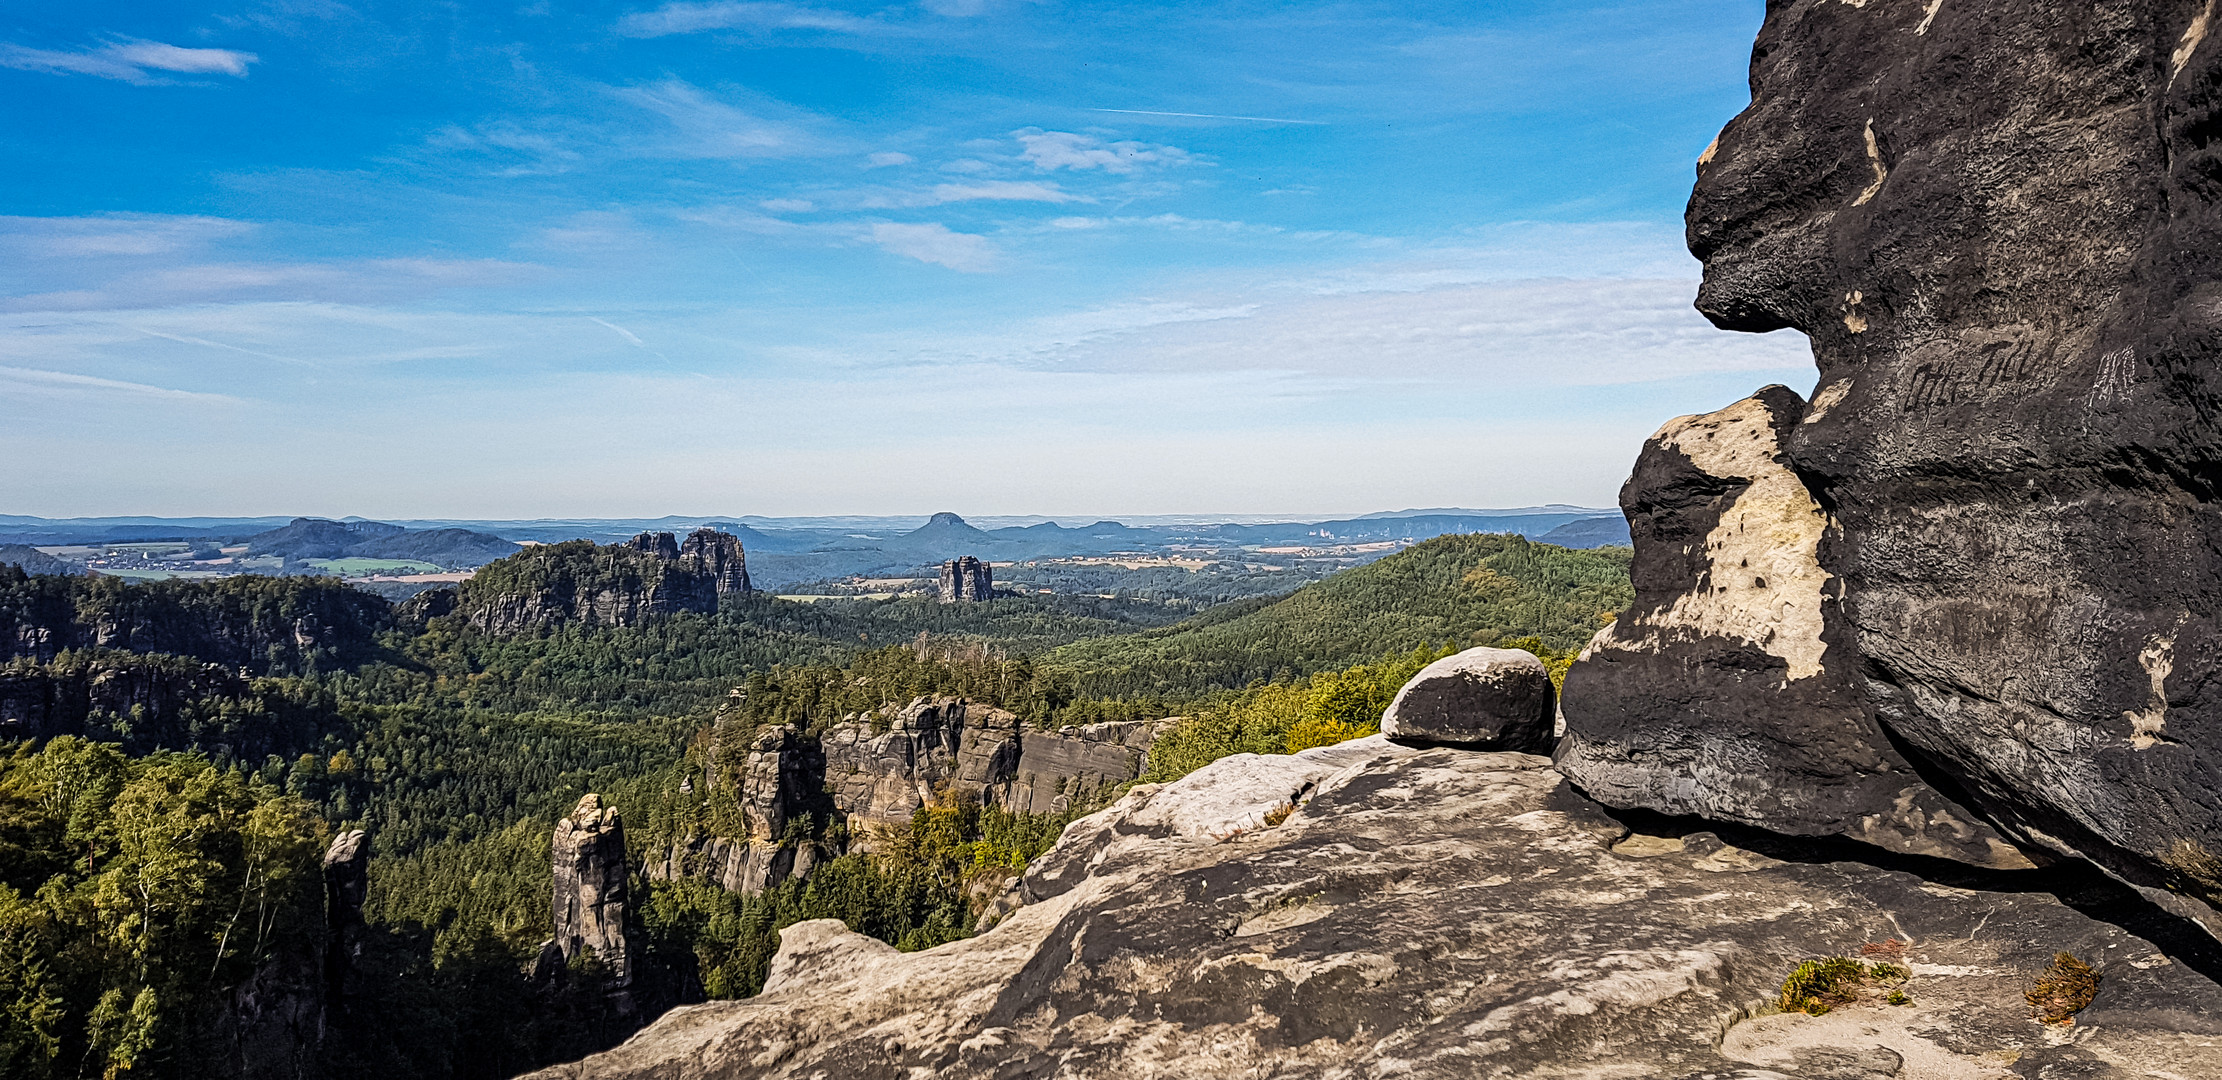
(778, 779)
(590, 891)
(626, 584)
(934, 747)
(257, 622)
(1998, 225)
(966, 581)
(1440, 913)
(86, 694)
(1487, 699)
(346, 887)
(946, 744)
(1730, 690)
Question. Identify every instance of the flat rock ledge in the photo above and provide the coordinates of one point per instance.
(1443, 913)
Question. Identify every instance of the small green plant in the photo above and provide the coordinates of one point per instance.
(1898, 997)
(2062, 990)
(1888, 972)
(1816, 986)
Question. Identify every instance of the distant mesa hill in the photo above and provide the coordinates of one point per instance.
(1593, 532)
(264, 624)
(579, 581)
(1469, 589)
(33, 561)
(317, 538)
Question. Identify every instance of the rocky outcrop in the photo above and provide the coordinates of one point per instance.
(717, 556)
(966, 581)
(626, 584)
(779, 780)
(877, 772)
(590, 897)
(1999, 226)
(947, 745)
(145, 703)
(1730, 690)
(1442, 913)
(263, 623)
(1485, 699)
(346, 887)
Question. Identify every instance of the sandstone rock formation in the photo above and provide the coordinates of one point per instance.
(966, 580)
(1487, 699)
(947, 744)
(1443, 913)
(590, 898)
(257, 622)
(346, 887)
(1998, 225)
(626, 584)
(1730, 690)
(932, 747)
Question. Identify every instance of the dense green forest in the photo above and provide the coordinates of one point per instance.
(1464, 590)
(196, 745)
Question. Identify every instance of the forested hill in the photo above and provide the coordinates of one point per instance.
(1462, 590)
(262, 716)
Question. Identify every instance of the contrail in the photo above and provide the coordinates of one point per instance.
(628, 335)
(1213, 116)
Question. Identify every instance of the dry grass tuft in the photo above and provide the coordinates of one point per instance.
(2062, 990)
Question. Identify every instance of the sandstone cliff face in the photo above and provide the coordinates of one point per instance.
(1730, 690)
(944, 744)
(256, 622)
(1998, 225)
(933, 747)
(967, 581)
(626, 584)
(590, 896)
(1440, 913)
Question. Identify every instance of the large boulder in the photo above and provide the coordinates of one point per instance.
(1445, 914)
(1729, 690)
(1484, 699)
(1999, 226)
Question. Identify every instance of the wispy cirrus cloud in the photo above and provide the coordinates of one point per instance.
(350, 280)
(114, 234)
(1053, 150)
(686, 18)
(35, 379)
(936, 243)
(128, 60)
(980, 191)
(708, 127)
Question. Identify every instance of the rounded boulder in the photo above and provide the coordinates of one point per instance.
(1482, 699)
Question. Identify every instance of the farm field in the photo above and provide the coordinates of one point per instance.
(353, 567)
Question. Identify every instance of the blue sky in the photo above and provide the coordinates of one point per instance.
(740, 257)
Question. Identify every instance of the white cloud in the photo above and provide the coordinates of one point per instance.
(347, 281)
(885, 158)
(683, 18)
(129, 60)
(788, 206)
(35, 379)
(1053, 150)
(980, 191)
(710, 128)
(935, 243)
(114, 234)
(1526, 333)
